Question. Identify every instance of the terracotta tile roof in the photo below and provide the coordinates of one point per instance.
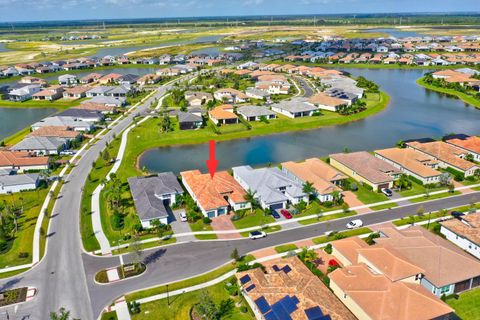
(444, 152)
(95, 107)
(470, 143)
(317, 172)
(366, 165)
(210, 192)
(323, 99)
(349, 247)
(300, 282)
(110, 77)
(54, 131)
(91, 76)
(77, 90)
(225, 111)
(382, 299)
(443, 262)
(448, 73)
(468, 228)
(412, 160)
(20, 158)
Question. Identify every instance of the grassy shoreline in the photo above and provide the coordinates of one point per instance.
(151, 138)
(450, 92)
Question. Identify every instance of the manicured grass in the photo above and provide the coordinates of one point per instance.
(180, 306)
(451, 92)
(12, 273)
(329, 217)
(467, 307)
(368, 196)
(16, 137)
(112, 315)
(60, 104)
(286, 248)
(147, 245)
(339, 235)
(147, 135)
(255, 219)
(435, 196)
(23, 239)
(384, 206)
(199, 225)
(182, 284)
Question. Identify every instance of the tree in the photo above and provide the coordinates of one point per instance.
(308, 188)
(206, 307)
(420, 211)
(62, 314)
(336, 196)
(345, 207)
(106, 155)
(469, 157)
(403, 182)
(308, 255)
(250, 197)
(136, 249)
(234, 255)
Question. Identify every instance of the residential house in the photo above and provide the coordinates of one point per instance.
(24, 93)
(21, 161)
(413, 163)
(153, 196)
(366, 168)
(470, 144)
(272, 188)
(128, 79)
(255, 93)
(148, 79)
(223, 114)
(256, 113)
(464, 232)
(325, 102)
(56, 131)
(215, 195)
(230, 95)
(447, 155)
(67, 80)
(77, 92)
(18, 182)
(325, 179)
(82, 115)
(110, 78)
(106, 101)
(49, 94)
(188, 121)
(197, 98)
(90, 78)
(287, 289)
(69, 122)
(40, 146)
(295, 108)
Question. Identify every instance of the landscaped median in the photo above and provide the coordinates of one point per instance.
(120, 273)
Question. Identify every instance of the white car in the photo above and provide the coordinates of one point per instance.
(387, 192)
(183, 217)
(257, 235)
(354, 224)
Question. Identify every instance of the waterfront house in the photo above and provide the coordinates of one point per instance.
(295, 108)
(90, 78)
(214, 196)
(12, 183)
(223, 114)
(273, 188)
(77, 92)
(256, 113)
(49, 94)
(325, 102)
(464, 232)
(366, 168)
(67, 80)
(325, 179)
(470, 144)
(40, 146)
(24, 93)
(153, 196)
(69, 122)
(106, 100)
(189, 121)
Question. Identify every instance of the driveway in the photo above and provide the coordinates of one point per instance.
(396, 196)
(178, 226)
(351, 199)
(224, 223)
(290, 225)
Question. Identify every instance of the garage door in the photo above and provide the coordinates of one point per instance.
(166, 202)
(276, 206)
(211, 214)
(382, 186)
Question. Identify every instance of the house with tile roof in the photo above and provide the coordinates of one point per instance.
(471, 144)
(413, 163)
(447, 155)
(464, 232)
(366, 168)
(230, 95)
(273, 188)
(325, 179)
(21, 161)
(223, 114)
(326, 102)
(153, 196)
(49, 94)
(214, 196)
(288, 290)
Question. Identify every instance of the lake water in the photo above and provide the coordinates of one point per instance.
(118, 51)
(212, 51)
(3, 48)
(15, 119)
(396, 33)
(413, 112)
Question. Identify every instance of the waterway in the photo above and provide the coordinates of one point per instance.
(396, 33)
(413, 112)
(15, 119)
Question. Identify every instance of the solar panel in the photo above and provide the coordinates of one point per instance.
(263, 305)
(270, 316)
(250, 288)
(245, 279)
(286, 269)
(295, 299)
(280, 312)
(314, 313)
(327, 317)
(276, 268)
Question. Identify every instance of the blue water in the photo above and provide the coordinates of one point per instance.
(15, 119)
(396, 33)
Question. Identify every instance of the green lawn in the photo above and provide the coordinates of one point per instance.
(23, 240)
(286, 248)
(451, 92)
(180, 306)
(384, 206)
(255, 219)
(147, 135)
(199, 225)
(435, 196)
(368, 196)
(467, 307)
(328, 217)
(344, 234)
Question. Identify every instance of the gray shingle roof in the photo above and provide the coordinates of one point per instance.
(15, 180)
(188, 117)
(295, 105)
(255, 111)
(146, 192)
(39, 143)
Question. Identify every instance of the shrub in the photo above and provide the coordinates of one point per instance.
(23, 255)
(328, 248)
(353, 186)
(457, 175)
(328, 204)
(243, 309)
(207, 220)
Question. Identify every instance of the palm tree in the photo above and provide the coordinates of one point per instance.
(308, 255)
(250, 197)
(309, 189)
(62, 314)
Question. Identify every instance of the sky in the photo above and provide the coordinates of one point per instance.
(35, 10)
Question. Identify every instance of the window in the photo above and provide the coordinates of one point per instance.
(444, 289)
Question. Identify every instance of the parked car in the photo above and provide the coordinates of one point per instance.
(183, 217)
(67, 153)
(457, 214)
(275, 214)
(286, 214)
(354, 224)
(257, 235)
(387, 192)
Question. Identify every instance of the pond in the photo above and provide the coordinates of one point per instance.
(3, 48)
(15, 119)
(413, 112)
(118, 51)
(396, 33)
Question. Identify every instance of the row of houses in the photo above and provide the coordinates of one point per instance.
(464, 76)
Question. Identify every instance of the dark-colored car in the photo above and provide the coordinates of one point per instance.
(286, 214)
(457, 214)
(275, 214)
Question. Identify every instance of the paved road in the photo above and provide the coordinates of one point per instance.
(307, 89)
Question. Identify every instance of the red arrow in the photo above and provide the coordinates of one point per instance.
(212, 163)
